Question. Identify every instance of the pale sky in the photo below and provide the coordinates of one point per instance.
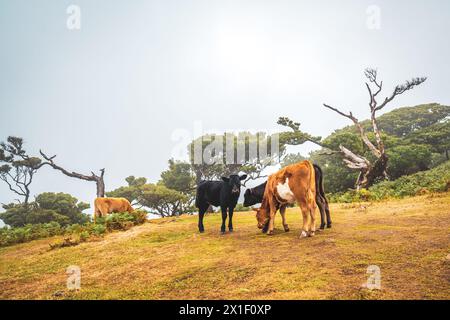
(112, 94)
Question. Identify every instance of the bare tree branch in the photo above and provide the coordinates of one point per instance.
(93, 177)
(349, 115)
(369, 172)
(362, 133)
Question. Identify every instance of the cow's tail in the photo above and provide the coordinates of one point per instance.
(319, 180)
(198, 196)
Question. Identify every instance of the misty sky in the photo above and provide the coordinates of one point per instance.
(113, 93)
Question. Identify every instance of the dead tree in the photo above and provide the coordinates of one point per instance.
(98, 179)
(370, 172)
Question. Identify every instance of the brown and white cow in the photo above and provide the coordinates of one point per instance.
(104, 206)
(294, 183)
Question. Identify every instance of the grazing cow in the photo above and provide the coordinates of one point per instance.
(255, 195)
(294, 183)
(223, 194)
(104, 206)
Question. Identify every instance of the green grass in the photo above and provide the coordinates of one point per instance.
(169, 259)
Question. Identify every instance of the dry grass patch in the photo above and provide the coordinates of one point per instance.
(168, 259)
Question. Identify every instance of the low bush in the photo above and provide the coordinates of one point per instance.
(75, 233)
(424, 182)
(9, 236)
(124, 221)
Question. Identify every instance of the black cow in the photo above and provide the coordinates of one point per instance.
(223, 194)
(255, 195)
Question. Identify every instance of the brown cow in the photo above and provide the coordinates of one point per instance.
(294, 183)
(104, 206)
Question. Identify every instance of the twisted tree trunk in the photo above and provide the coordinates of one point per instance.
(369, 172)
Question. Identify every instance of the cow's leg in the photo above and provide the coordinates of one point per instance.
(305, 213)
(321, 204)
(201, 214)
(273, 211)
(230, 219)
(283, 217)
(97, 213)
(266, 227)
(312, 214)
(224, 219)
(327, 212)
(102, 211)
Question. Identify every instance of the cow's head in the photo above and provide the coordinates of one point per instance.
(250, 199)
(262, 216)
(234, 182)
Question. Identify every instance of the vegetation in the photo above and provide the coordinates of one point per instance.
(407, 239)
(404, 132)
(373, 167)
(159, 198)
(74, 233)
(215, 155)
(414, 139)
(10, 236)
(434, 180)
(47, 207)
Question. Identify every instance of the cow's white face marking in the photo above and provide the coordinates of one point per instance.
(285, 192)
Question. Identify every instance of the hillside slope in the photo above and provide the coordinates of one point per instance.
(168, 259)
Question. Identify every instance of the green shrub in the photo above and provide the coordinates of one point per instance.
(84, 235)
(124, 220)
(119, 221)
(98, 229)
(74, 233)
(9, 236)
(434, 180)
(140, 216)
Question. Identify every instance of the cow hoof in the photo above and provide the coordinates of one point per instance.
(231, 230)
(311, 233)
(201, 231)
(269, 233)
(286, 228)
(322, 226)
(303, 234)
(329, 225)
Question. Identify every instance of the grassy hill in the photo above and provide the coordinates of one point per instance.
(168, 259)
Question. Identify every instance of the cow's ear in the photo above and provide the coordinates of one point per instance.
(243, 177)
(225, 179)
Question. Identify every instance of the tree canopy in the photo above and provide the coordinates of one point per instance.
(47, 207)
(230, 153)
